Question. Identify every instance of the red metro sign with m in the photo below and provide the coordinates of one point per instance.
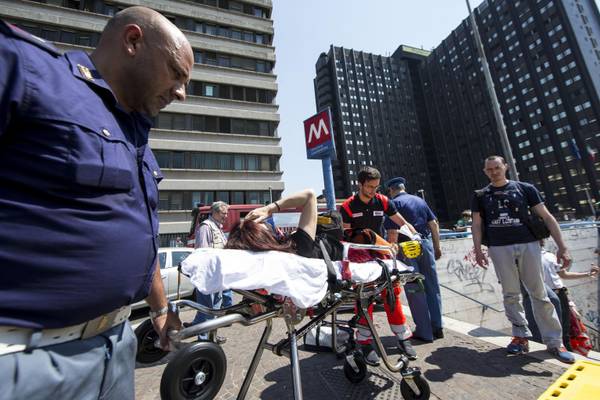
(319, 136)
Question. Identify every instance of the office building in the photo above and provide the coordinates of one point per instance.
(544, 57)
(374, 118)
(222, 142)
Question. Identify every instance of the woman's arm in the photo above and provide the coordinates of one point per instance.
(306, 200)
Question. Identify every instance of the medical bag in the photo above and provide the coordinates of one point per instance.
(319, 338)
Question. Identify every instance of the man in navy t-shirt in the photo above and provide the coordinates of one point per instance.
(500, 210)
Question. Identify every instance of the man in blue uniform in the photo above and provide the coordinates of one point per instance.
(499, 211)
(416, 211)
(78, 204)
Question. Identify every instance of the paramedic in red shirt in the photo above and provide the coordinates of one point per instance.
(367, 209)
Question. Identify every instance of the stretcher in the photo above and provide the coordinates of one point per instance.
(289, 286)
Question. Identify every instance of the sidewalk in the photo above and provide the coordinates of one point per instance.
(457, 367)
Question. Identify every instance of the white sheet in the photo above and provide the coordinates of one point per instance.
(303, 280)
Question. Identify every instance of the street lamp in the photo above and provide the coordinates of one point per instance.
(512, 172)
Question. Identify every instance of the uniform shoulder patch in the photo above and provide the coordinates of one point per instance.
(15, 31)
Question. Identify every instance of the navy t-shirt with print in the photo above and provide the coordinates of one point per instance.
(503, 210)
(367, 215)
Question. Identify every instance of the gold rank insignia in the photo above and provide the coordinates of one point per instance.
(85, 72)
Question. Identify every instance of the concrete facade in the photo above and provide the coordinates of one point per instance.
(190, 181)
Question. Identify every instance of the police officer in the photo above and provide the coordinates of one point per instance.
(416, 211)
(78, 204)
(366, 209)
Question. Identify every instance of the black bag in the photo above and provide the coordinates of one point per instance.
(334, 248)
(537, 226)
(533, 222)
(330, 223)
(330, 232)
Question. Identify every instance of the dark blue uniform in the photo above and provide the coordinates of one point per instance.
(427, 309)
(415, 211)
(78, 190)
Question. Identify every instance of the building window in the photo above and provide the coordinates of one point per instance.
(209, 90)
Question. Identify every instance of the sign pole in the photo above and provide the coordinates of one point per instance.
(328, 181)
(318, 132)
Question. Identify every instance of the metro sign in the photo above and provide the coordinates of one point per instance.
(318, 135)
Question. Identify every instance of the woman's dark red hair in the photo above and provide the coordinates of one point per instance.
(252, 235)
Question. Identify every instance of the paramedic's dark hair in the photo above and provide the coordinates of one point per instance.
(368, 174)
(253, 236)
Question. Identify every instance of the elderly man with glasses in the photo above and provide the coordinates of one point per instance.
(210, 234)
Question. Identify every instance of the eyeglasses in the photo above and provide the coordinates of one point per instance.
(372, 187)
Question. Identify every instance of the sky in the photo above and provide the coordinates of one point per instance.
(306, 28)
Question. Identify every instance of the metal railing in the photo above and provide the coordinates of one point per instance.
(484, 306)
(445, 234)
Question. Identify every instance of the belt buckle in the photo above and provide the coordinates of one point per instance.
(99, 325)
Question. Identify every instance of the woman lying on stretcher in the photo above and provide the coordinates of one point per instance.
(255, 235)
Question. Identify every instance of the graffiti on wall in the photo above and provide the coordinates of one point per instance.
(594, 318)
(467, 271)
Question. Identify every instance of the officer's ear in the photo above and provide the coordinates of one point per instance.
(132, 37)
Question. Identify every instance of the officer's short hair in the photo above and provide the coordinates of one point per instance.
(368, 174)
(217, 205)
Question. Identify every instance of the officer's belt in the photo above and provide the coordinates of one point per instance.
(15, 339)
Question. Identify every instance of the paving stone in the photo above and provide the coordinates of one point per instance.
(456, 367)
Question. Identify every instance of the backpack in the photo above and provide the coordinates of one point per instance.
(330, 233)
(330, 223)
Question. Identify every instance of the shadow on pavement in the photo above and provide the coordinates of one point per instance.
(483, 332)
(323, 378)
(494, 363)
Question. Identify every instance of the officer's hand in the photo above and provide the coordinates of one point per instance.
(165, 323)
(564, 257)
(481, 259)
(437, 253)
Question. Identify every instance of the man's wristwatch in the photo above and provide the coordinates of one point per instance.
(162, 311)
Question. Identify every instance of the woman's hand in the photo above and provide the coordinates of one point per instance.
(260, 214)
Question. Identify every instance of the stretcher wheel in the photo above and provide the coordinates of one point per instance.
(356, 376)
(409, 394)
(195, 372)
(147, 353)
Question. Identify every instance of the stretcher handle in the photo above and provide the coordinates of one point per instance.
(391, 296)
(332, 280)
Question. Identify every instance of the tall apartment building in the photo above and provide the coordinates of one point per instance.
(374, 117)
(544, 57)
(222, 142)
